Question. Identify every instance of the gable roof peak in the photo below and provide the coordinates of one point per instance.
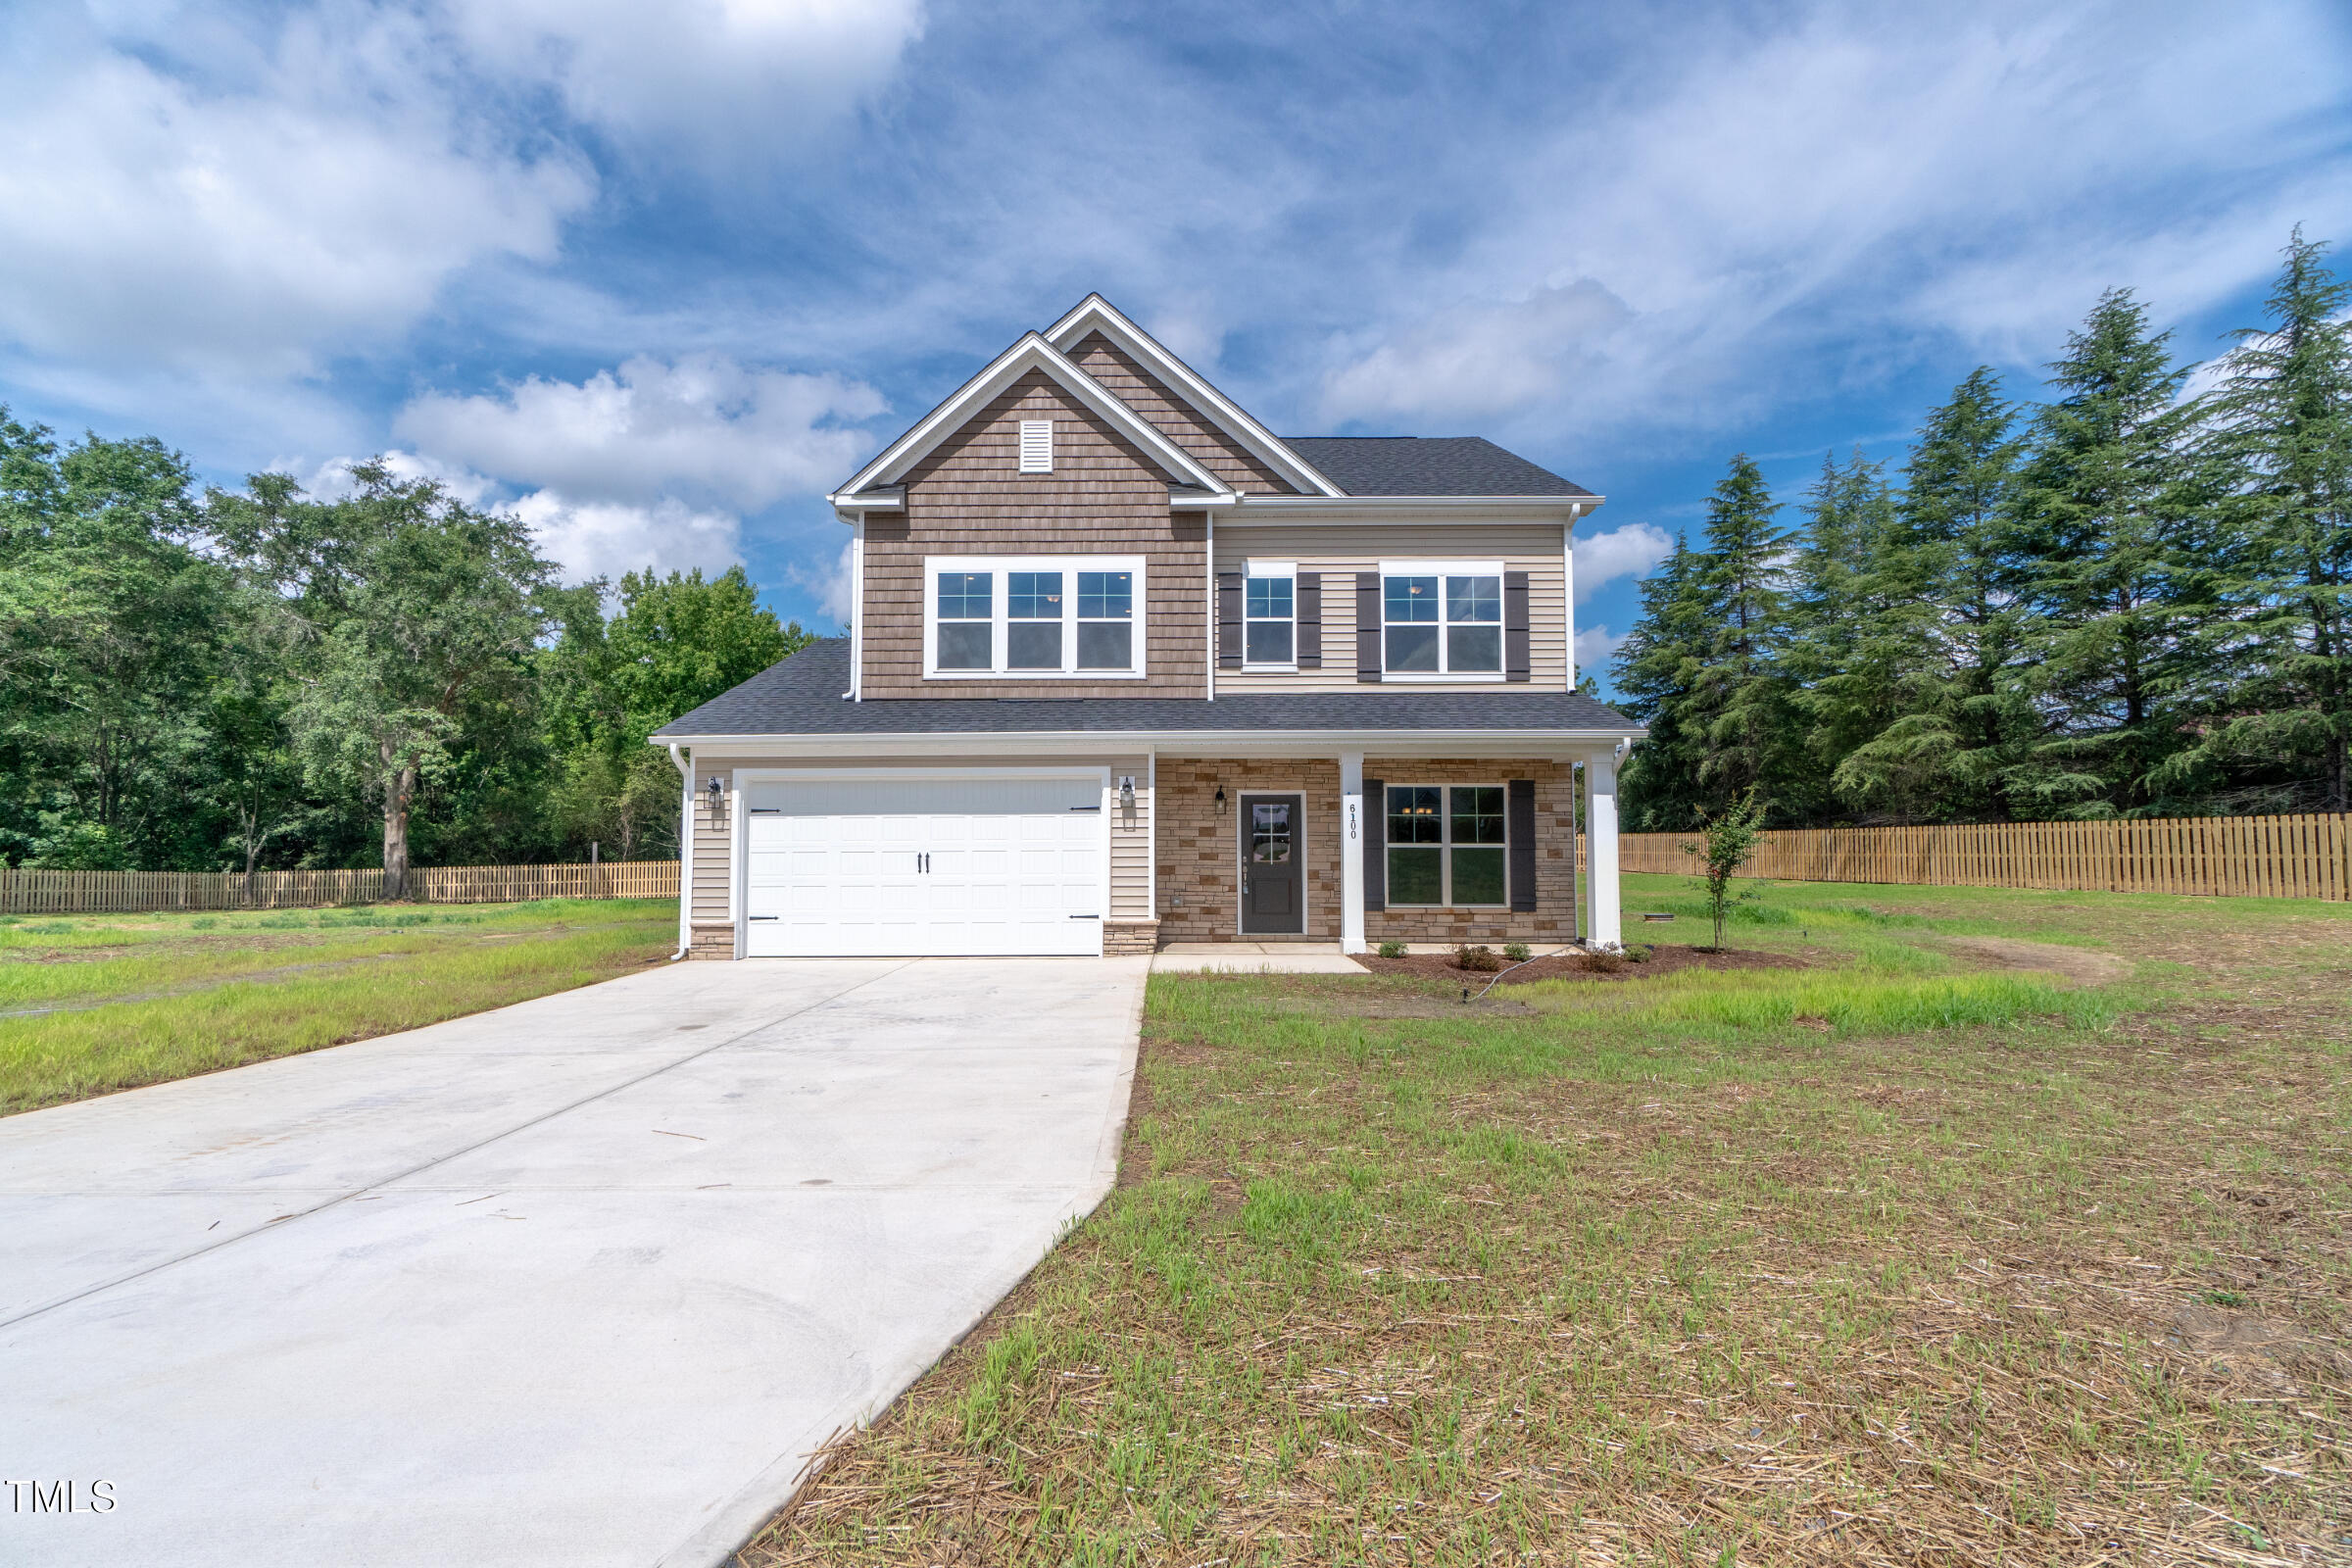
(1094, 314)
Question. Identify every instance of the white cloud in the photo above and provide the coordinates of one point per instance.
(735, 79)
(1627, 552)
(605, 538)
(701, 426)
(1788, 205)
(830, 585)
(253, 209)
(1594, 646)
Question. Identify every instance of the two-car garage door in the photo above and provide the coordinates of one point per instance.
(982, 863)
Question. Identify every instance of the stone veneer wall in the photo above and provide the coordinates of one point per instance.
(1126, 939)
(712, 942)
(1199, 852)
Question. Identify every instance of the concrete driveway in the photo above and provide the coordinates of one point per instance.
(576, 1282)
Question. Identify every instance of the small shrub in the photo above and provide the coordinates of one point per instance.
(1517, 953)
(1479, 959)
(1641, 953)
(1606, 963)
(1392, 950)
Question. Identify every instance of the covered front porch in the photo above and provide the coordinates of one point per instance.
(1358, 848)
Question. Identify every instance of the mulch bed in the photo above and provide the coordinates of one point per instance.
(1665, 958)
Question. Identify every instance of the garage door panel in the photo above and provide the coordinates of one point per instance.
(932, 865)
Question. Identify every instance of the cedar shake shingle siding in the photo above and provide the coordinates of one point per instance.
(1150, 397)
(967, 497)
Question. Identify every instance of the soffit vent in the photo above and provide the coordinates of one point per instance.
(1036, 445)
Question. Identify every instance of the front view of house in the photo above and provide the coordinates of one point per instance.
(1126, 669)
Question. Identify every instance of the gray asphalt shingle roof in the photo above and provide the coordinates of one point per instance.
(1427, 465)
(802, 696)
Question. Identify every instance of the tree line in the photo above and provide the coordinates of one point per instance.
(2130, 599)
(236, 680)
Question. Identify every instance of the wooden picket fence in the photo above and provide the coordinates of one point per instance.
(2245, 856)
(136, 892)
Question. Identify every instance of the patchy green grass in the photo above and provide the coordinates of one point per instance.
(92, 1004)
(1948, 1248)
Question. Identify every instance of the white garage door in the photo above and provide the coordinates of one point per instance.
(984, 864)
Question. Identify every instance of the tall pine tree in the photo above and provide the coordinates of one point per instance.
(2117, 512)
(2284, 418)
(1655, 670)
(1742, 704)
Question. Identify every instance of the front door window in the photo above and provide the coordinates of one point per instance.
(1270, 832)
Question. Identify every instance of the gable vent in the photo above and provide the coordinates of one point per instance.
(1036, 445)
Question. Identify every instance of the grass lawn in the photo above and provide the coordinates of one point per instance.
(97, 1002)
(1948, 1248)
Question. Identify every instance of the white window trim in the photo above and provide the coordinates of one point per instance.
(999, 602)
(1444, 845)
(1265, 569)
(1437, 568)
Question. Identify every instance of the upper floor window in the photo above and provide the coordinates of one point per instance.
(1442, 618)
(1041, 616)
(1269, 614)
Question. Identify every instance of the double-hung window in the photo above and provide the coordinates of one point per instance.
(1446, 845)
(1270, 614)
(1441, 618)
(1047, 617)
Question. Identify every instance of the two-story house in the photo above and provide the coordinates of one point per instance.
(1124, 668)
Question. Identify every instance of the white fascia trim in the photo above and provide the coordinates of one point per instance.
(1256, 507)
(1097, 314)
(1198, 743)
(1031, 352)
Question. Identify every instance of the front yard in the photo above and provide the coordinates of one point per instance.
(97, 1002)
(2011, 1229)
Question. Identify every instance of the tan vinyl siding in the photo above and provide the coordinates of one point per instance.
(1136, 387)
(1130, 832)
(714, 837)
(968, 498)
(1340, 552)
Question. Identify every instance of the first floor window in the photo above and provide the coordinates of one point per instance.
(1035, 617)
(1445, 845)
(1439, 623)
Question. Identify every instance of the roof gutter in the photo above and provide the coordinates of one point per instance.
(1438, 742)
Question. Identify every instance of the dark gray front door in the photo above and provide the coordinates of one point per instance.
(1273, 857)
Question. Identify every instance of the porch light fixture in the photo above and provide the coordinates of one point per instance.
(1220, 800)
(716, 791)
(1126, 793)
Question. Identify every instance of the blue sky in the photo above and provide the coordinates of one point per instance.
(657, 280)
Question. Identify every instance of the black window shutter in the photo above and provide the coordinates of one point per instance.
(1229, 619)
(1519, 826)
(1518, 663)
(1310, 621)
(1367, 625)
(1375, 844)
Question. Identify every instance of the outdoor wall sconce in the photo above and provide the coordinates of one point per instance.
(716, 795)
(1220, 800)
(1126, 793)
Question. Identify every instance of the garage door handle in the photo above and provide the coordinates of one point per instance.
(767, 917)
(1085, 807)
(1086, 917)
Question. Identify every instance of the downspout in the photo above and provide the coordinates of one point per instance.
(1209, 521)
(685, 854)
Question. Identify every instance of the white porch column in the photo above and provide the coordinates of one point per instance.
(1604, 925)
(739, 861)
(1351, 852)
